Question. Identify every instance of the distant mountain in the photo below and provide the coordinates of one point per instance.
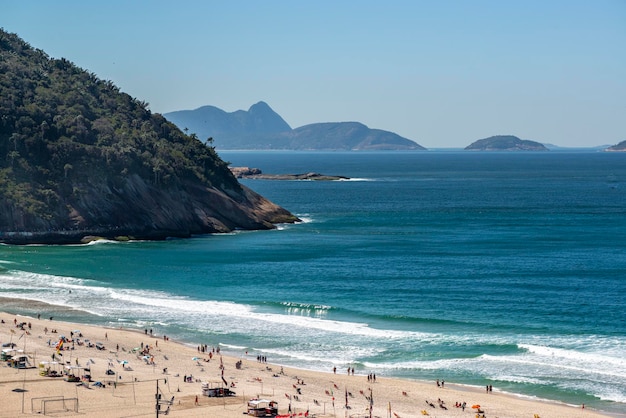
(345, 136)
(505, 143)
(210, 121)
(553, 147)
(262, 128)
(619, 147)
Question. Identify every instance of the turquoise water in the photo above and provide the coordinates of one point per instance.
(476, 268)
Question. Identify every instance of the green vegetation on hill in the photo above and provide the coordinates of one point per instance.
(70, 141)
(505, 143)
(618, 147)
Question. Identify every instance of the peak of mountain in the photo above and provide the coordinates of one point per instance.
(210, 121)
(262, 128)
(80, 158)
(505, 143)
(261, 108)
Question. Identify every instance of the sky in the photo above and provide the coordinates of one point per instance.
(442, 73)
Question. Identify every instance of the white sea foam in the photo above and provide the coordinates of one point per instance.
(105, 301)
(322, 341)
(305, 218)
(515, 378)
(102, 242)
(233, 347)
(578, 360)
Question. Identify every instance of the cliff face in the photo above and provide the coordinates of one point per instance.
(80, 158)
(139, 210)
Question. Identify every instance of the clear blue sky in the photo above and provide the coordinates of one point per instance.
(442, 73)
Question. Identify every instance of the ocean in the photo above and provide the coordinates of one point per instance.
(503, 269)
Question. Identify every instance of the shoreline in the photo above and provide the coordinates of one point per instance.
(172, 359)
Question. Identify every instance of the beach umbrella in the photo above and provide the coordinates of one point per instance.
(122, 362)
(476, 406)
(194, 358)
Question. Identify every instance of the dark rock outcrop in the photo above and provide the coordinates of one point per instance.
(255, 173)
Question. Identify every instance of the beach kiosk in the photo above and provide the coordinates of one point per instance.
(7, 353)
(216, 390)
(20, 361)
(50, 369)
(262, 408)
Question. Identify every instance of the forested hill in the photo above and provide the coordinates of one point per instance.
(78, 157)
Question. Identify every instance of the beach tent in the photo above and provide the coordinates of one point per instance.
(7, 353)
(262, 407)
(50, 368)
(19, 361)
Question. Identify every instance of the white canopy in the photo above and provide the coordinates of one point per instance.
(258, 401)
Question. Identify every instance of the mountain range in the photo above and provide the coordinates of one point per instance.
(262, 128)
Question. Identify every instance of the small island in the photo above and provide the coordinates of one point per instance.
(505, 143)
(255, 173)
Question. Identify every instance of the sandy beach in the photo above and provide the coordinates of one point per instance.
(140, 361)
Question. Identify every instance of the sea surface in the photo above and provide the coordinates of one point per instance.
(503, 269)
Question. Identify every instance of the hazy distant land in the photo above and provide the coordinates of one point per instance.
(262, 128)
